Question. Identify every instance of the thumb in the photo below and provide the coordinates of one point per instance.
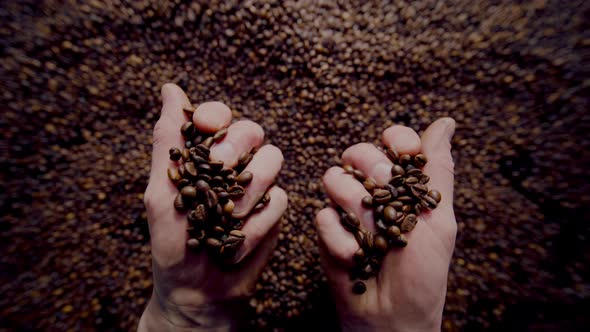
(436, 145)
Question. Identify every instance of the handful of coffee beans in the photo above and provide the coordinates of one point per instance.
(207, 191)
(396, 207)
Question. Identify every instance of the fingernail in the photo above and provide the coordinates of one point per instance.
(450, 129)
(167, 92)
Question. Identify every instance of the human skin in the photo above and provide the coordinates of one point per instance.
(191, 291)
(408, 294)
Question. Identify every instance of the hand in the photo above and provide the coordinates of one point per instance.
(190, 289)
(409, 292)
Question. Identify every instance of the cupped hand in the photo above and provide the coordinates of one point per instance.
(191, 290)
(409, 292)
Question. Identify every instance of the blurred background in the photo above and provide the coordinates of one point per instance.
(80, 96)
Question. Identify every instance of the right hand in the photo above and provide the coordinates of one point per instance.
(409, 292)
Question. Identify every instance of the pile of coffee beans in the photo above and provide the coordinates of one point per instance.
(81, 95)
(396, 207)
(207, 191)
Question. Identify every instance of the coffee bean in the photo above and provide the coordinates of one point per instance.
(405, 159)
(216, 166)
(259, 206)
(359, 287)
(202, 151)
(359, 255)
(190, 169)
(429, 202)
(220, 134)
(389, 214)
(367, 201)
(204, 169)
(424, 179)
(396, 180)
(359, 236)
(396, 205)
(411, 181)
(182, 183)
(192, 243)
(236, 192)
(400, 241)
(188, 129)
(391, 190)
(188, 193)
(420, 188)
(397, 170)
(228, 207)
(175, 154)
(179, 204)
(185, 154)
(415, 172)
(211, 199)
(222, 196)
(369, 241)
(351, 221)
(393, 232)
(420, 160)
(213, 243)
(359, 175)
(245, 159)
(392, 155)
(202, 186)
(173, 175)
(381, 196)
(370, 184)
(381, 244)
(244, 178)
(348, 169)
(405, 199)
(200, 214)
(409, 223)
(435, 194)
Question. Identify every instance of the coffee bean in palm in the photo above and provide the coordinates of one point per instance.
(220, 134)
(188, 193)
(179, 203)
(359, 175)
(173, 175)
(367, 201)
(192, 243)
(228, 207)
(420, 160)
(410, 181)
(236, 191)
(216, 166)
(392, 155)
(368, 240)
(244, 159)
(369, 184)
(348, 168)
(400, 241)
(202, 151)
(435, 194)
(182, 183)
(187, 129)
(244, 178)
(351, 221)
(213, 243)
(397, 170)
(380, 243)
(396, 180)
(175, 154)
(381, 196)
(389, 214)
(393, 232)
(405, 160)
(424, 178)
(204, 169)
(359, 287)
(409, 223)
(210, 199)
(190, 169)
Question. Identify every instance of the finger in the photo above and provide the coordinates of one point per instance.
(167, 135)
(403, 139)
(436, 145)
(367, 158)
(339, 243)
(258, 225)
(347, 192)
(212, 116)
(241, 136)
(265, 166)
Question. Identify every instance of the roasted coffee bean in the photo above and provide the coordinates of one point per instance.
(211, 199)
(408, 208)
(236, 192)
(405, 159)
(202, 151)
(380, 224)
(188, 129)
(393, 232)
(188, 193)
(359, 236)
(182, 183)
(415, 172)
(244, 159)
(259, 206)
(392, 155)
(399, 217)
(396, 205)
(202, 186)
(359, 175)
(173, 175)
(389, 214)
(192, 243)
(400, 241)
(359, 288)
(179, 203)
(220, 134)
(217, 181)
(207, 142)
(420, 160)
(244, 178)
(367, 201)
(401, 190)
(381, 196)
(435, 194)
(200, 215)
(265, 198)
(410, 181)
(359, 255)
(204, 168)
(409, 223)
(348, 169)
(175, 154)
(424, 179)
(380, 244)
(218, 230)
(420, 188)
(222, 196)
(185, 154)
(369, 241)
(397, 170)
(190, 169)
(429, 202)
(228, 207)
(370, 184)
(391, 189)
(213, 243)
(216, 166)
(351, 221)
(204, 177)
(405, 199)
(396, 180)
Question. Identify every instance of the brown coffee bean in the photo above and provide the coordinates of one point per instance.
(424, 179)
(351, 221)
(204, 169)
(397, 170)
(182, 183)
(359, 288)
(200, 214)
(381, 244)
(429, 202)
(389, 214)
(222, 196)
(359, 236)
(211, 199)
(188, 193)
(265, 198)
(369, 241)
(415, 172)
(188, 129)
(359, 175)
(409, 223)
(213, 243)
(228, 207)
(396, 180)
(179, 203)
(367, 201)
(435, 194)
(202, 186)
(359, 255)
(391, 189)
(381, 196)
(405, 159)
(420, 188)
(348, 168)
(244, 178)
(396, 205)
(173, 175)
(192, 243)
(186, 155)
(370, 184)
(236, 192)
(245, 159)
(175, 154)
(190, 169)
(259, 206)
(405, 199)
(408, 208)
(392, 155)
(220, 134)
(207, 142)
(420, 160)
(393, 232)
(216, 166)
(410, 181)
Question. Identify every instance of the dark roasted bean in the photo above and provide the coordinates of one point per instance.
(244, 178)
(175, 154)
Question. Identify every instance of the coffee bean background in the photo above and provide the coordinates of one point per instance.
(80, 96)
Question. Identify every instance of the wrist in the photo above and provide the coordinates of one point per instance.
(222, 316)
